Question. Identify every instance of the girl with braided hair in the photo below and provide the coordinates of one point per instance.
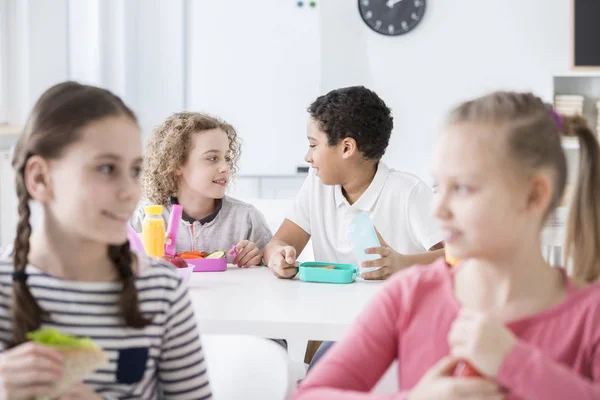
(79, 158)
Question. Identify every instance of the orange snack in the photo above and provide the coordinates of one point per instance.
(187, 255)
(328, 267)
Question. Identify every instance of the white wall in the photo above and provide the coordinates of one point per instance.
(256, 64)
(159, 70)
(462, 48)
(133, 47)
(3, 61)
(35, 52)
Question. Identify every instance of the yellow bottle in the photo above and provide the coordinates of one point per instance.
(153, 232)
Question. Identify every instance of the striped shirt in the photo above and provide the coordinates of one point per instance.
(164, 360)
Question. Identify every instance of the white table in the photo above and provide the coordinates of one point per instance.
(253, 301)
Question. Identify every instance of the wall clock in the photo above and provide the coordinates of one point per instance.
(392, 17)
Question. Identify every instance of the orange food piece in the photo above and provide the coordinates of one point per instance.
(328, 267)
(187, 255)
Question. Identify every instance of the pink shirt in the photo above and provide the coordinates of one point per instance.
(557, 357)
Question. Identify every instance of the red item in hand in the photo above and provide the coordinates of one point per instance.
(465, 370)
(176, 261)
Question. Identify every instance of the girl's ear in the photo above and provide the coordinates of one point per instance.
(540, 194)
(179, 171)
(37, 179)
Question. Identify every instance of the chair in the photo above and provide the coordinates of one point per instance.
(246, 367)
(275, 211)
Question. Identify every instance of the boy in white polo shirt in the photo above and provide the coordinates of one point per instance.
(348, 132)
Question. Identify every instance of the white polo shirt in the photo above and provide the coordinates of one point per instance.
(399, 205)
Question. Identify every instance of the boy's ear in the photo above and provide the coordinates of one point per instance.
(349, 147)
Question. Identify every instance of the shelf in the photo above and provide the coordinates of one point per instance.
(570, 143)
(9, 130)
(578, 74)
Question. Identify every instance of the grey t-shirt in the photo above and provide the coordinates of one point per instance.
(234, 221)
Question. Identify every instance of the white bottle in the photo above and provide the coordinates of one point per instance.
(362, 235)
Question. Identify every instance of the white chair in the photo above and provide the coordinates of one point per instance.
(275, 211)
(246, 367)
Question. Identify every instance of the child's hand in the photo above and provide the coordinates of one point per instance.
(482, 341)
(29, 370)
(283, 262)
(438, 383)
(389, 263)
(248, 254)
(80, 392)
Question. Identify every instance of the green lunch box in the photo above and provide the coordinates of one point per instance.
(313, 272)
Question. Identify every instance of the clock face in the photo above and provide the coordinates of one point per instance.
(392, 17)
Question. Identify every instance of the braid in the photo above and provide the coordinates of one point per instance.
(26, 312)
(128, 300)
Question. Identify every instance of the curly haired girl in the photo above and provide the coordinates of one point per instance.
(189, 160)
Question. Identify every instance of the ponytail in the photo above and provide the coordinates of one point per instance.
(583, 228)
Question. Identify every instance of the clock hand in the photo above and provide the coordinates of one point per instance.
(392, 3)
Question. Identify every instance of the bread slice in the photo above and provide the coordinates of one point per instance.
(78, 364)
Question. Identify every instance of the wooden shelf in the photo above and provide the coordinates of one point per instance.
(10, 130)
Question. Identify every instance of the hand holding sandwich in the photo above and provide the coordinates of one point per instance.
(29, 370)
(52, 365)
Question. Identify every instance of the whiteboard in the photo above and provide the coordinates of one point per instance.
(256, 65)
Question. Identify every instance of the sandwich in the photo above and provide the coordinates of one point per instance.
(81, 357)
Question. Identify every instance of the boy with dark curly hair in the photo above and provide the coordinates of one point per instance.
(189, 160)
(348, 132)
